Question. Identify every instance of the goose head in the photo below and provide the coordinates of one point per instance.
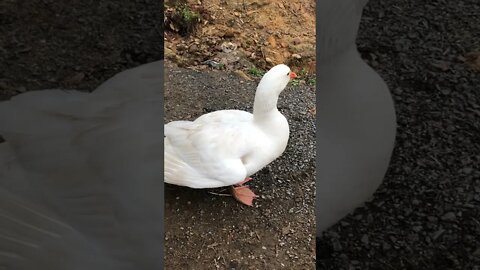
(276, 79)
(270, 87)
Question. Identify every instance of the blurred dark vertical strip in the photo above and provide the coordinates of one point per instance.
(162, 57)
(162, 195)
(317, 101)
(162, 29)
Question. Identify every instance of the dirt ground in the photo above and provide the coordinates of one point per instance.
(244, 34)
(426, 213)
(217, 232)
(74, 45)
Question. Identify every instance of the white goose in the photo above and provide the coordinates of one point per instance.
(224, 148)
(355, 118)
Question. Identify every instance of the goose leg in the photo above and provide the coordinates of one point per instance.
(243, 194)
(244, 181)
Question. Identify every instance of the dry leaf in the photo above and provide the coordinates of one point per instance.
(243, 75)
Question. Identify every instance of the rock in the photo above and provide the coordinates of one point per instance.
(272, 41)
(22, 89)
(336, 245)
(3, 85)
(417, 228)
(365, 239)
(437, 234)
(473, 60)
(228, 47)
(181, 47)
(193, 48)
(169, 54)
(257, 3)
(75, 78)
(450, 216)
(443, 66)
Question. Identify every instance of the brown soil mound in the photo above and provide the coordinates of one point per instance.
(244, 34)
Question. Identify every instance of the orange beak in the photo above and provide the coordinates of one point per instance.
(293, 75)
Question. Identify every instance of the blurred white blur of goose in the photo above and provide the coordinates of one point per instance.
(356, 122)
(80, 176)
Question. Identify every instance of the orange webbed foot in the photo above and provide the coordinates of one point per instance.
(243, 194)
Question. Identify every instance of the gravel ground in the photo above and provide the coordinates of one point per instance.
(217, 232)
(74, 44)
(426, 215)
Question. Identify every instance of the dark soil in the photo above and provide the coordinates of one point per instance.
(74, 44)
(217, 232)
(426, 215)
